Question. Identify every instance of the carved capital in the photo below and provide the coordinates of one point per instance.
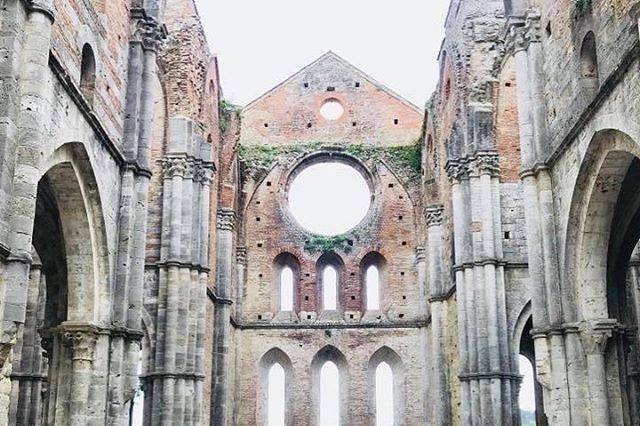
(150, 33)
(204, 175)
(82, 343)
(523, 31)
(420, 254)
(174, 166)
(485, 163)
(457, 170)
(595, 336)
(241, 255)
(226, 220)
(433, 215)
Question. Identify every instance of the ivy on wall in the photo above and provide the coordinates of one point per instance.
(322, 244)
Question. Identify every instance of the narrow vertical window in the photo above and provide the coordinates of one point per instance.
(384, 395)
(329, 288)
(286, 289)
(329, 395)
(276, 396)
(373, 288)
(88, 73)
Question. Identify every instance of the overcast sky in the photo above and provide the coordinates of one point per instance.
(260, 43)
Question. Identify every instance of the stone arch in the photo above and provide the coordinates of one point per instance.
(606, 163)
(268, 360)
(74, 295)
(333, 354)
(391, 357)
(69, 174)
(603, 229)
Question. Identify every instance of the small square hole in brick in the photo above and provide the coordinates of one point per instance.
(259, 317)
(354, 124)
(353, 274)
(306, 298)
(331, 89)
(259, 245)
(357, 84)
(390, 185)
(353, 298)
(404, 297)
(268, 183)
(401, 316)
(404, 243)
(400, 217)
(258, 202)
(266, 124)
(308, 125)
(257, 219)
(350, 316)
(402, 273)
(401, 197)
(306, 85)
(259, 275)
(508, 84)
(396, 121)
(507, 235)
(308, 317)
(307, 274)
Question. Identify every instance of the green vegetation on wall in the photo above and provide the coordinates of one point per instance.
(322, 244)
(406, 160)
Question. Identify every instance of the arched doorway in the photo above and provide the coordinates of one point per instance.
(604, 229)
(53, 359)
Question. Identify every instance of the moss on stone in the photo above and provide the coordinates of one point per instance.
(322, 244)
(406, 160)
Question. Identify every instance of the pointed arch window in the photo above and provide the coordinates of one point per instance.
(329, 288)
(329, 394)
(384, 395)
(286, 289)
(373, 288)
(276, 396)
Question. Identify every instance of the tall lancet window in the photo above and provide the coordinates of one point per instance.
(384, 395)
(286, 289)
(276, 396)
(329, 395)
(330, 288)
(373, 288)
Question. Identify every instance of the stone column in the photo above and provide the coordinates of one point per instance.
(458, 175)
(226, 219)
(438, 295)
(594, 341)
(82, 340)
(30, 130)
(551, 338)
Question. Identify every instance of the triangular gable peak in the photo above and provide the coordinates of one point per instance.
(363, 110)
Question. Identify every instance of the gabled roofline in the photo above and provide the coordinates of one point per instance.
(332, 54)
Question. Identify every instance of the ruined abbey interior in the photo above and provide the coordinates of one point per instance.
(155, 268)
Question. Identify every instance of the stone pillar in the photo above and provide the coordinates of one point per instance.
(594, 339)
(226, 219)
(30, 130)
(552, 341)
(469, 409)
(438, 295)
(82, 340)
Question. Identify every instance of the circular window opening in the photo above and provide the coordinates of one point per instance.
(331, 109)
(329, 198)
